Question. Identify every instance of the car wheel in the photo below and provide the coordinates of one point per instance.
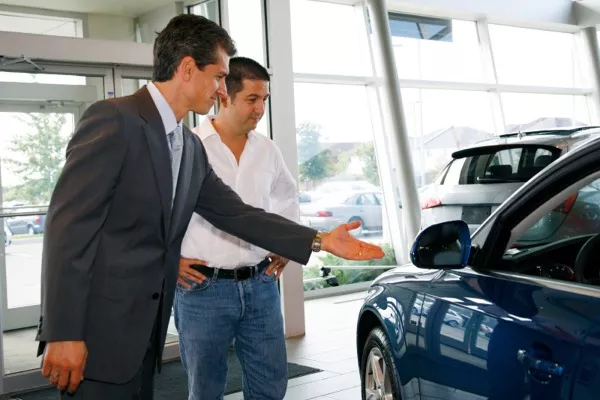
(378, 371)
(30, 230)
(359, 231)
(453, 323)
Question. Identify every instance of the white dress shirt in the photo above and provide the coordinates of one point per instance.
(164, 109)
(261, 179)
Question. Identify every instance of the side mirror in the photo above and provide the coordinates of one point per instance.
(442, 246)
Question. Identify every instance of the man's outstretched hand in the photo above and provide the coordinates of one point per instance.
(341, 243)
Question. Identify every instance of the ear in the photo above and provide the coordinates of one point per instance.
(186, 67)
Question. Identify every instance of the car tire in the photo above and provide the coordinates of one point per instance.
(30, 230)
(357, 232)
(453, 323)
(377, 353)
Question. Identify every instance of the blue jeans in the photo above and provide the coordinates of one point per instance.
(210, 315)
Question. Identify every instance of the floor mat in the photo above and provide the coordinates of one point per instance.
(171, 384)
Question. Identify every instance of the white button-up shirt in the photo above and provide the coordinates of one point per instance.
(261, 179)
(164, 109)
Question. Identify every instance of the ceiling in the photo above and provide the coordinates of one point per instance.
(591, 4)
(130, 8)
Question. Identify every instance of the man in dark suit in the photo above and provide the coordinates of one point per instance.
(132, 179)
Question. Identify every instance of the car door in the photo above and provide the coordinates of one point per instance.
(495, 337)
(531, 328)
(370, 210)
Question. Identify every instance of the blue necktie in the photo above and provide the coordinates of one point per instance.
(176, 146)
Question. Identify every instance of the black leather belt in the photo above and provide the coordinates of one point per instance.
(239, 274)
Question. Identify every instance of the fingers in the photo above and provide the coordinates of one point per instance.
(64, 363)
(183, 283)
(75, 380)
(46, 367)
(272, 267)
(63, 378)
(192, 275)
(277, 265)
(367, 251)
(279, 272)
(190, 261)
(352, 225)
(186, 271)
(370, 247)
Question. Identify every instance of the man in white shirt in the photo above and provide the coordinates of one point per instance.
(227, 289)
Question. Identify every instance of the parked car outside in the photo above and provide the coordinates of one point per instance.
(26, 224)
(478, 179)
(526, 284)
(340, 208)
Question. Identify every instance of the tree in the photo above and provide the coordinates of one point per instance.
(314, 160)
(41, 150)
(309, 136)
(367, 153)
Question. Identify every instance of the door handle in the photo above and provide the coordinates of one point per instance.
(540, 366)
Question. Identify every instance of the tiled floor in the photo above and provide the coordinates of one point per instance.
(329, 345)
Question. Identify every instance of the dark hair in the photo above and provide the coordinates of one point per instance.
(241, 68)
(188, 35)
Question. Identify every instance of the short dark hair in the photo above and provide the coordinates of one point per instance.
(188, 35)
(241, 68)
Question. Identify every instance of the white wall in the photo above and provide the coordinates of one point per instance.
(109, 27)
(155, 20)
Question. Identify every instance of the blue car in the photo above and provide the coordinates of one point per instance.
(511, 312)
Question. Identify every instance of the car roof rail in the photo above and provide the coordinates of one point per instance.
(553, 131)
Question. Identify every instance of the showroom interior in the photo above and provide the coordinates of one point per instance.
(368, 97)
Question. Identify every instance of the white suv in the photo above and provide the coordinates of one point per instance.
(478, 179)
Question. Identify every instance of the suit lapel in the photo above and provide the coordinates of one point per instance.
(183, 182)
(159, 152)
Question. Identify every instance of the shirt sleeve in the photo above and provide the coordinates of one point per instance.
(284, 191)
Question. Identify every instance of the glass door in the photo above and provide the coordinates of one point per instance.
(31, 158)
(39, 110)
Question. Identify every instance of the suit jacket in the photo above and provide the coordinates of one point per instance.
(112, 243)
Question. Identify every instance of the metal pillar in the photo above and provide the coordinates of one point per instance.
(394, 119)
(590, 40)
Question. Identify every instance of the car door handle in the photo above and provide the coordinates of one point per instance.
(539, 365)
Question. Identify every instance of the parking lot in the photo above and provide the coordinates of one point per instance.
(23, 271)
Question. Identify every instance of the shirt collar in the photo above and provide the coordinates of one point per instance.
(206, 130)
(164, 109)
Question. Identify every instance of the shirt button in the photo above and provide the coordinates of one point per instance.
(155, 296)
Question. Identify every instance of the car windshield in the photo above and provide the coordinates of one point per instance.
(578, 215)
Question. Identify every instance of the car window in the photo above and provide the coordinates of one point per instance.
(578, 215)
(365, 200)
(440, 178)
(518, 164)
(454, 172)
(502, 165)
